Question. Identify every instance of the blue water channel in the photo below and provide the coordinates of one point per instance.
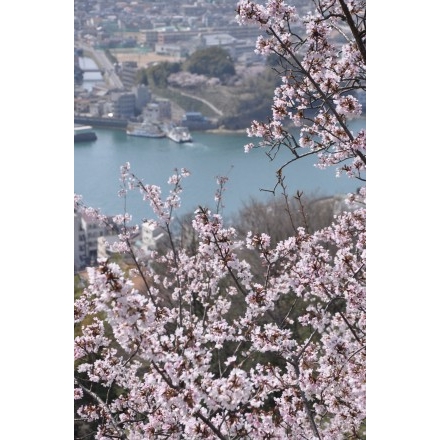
(97, 166)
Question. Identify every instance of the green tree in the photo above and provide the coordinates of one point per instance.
(211, 61)
(157, 75)
(254, 98)
(142, 77)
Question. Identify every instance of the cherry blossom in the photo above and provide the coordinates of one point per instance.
(204, 343)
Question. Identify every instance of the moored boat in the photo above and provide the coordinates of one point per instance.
(145, 129)
(179, 134)
(84, 133)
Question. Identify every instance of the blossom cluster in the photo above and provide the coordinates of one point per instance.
(212, 352)
(323, 74)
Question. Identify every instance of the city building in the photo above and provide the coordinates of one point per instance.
(142, 244)
(196, 121)
(123, 104)
(87, 230)
(127, 73)
(142, 96)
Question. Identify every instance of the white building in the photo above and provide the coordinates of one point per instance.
(86, 233)
(143, 244)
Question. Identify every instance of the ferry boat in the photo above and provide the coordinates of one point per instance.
(84, 133)
(145, 129)
(179, 134)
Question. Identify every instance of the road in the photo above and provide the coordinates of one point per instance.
(209, 104)
(114, 82)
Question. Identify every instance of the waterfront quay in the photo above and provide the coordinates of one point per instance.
(113, 123)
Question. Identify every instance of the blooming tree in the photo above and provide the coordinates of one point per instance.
(211, 346)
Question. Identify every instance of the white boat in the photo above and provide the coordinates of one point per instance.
(179, 134)
(145, 129)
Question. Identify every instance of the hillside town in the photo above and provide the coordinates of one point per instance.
(140, 34)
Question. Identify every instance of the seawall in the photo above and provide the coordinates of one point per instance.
(102, 122)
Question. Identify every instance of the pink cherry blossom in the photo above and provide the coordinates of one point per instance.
(242, 337)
